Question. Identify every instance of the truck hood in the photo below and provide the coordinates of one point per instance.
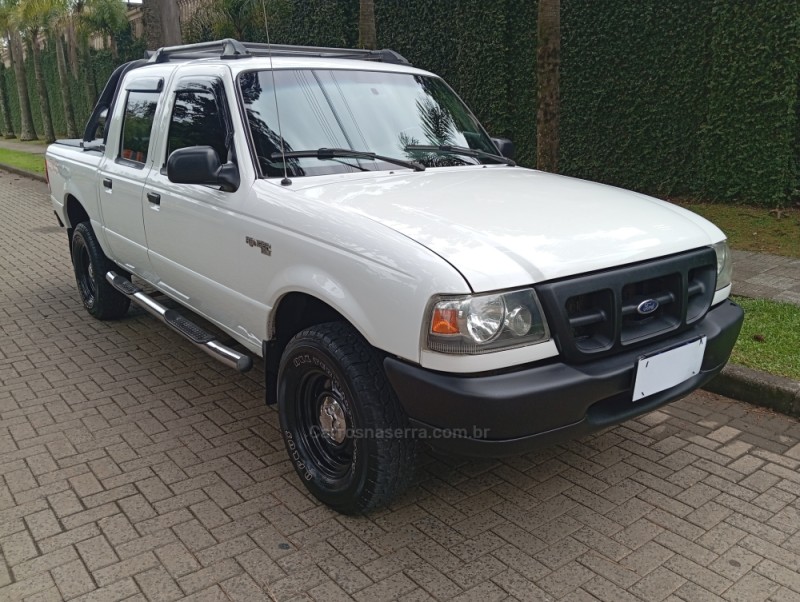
(503, 227)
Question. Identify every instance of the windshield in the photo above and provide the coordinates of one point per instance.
(371, 111)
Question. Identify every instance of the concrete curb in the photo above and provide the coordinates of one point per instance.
(758, 388)
(22, 172)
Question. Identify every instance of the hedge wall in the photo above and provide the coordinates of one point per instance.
(634, 92)
(749, 141)
(669, 97)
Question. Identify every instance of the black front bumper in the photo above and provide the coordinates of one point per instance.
(514, 412)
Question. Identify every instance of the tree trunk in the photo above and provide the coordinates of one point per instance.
(162, 23)
(548, 59)
(8, 127)
(72, 47)
(41, 89)
(170, 22)
(367, 36)
(63, 80)
(26, 129)
(90, 89)
(152, 24)
(112, 44)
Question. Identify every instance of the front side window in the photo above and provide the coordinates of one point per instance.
(198, 119)
(137, 125)
(373, 111)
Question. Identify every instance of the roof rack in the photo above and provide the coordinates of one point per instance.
(233, 49)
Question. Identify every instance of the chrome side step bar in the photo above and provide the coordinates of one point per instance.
(183, 326)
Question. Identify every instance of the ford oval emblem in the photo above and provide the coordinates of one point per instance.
(647, 306)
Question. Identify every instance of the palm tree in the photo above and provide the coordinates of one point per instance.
(31, 17)
(548, 58)
(78, 32)
(8, 127)
(56, 15)
(63, 78)
(14, 47)
(367, 36)
(106, 17)
(71, 32)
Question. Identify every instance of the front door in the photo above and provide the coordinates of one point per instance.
(196, 233)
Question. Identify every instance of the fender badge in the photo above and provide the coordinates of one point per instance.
(266, 248)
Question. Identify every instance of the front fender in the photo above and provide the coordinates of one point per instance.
(324, 286)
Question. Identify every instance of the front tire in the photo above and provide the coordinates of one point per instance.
(100, 299)
(344, 429)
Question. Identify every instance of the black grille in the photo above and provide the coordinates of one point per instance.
(600, 313)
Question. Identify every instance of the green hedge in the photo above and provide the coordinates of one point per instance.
(633, 89)
(749, 142)
(670, 97)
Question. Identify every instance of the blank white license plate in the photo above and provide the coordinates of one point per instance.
(659, 372)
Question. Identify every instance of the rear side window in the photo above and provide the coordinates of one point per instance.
(198, 119)
(137, 126)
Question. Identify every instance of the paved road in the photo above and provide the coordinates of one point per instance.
(133, 466)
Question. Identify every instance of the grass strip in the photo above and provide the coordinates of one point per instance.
(22, 160)
(770, 338)
(752, 228)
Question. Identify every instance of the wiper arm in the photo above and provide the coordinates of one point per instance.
(459, 150)
(338, 153)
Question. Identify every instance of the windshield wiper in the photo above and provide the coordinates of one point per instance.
(459, 150)
(338, 153)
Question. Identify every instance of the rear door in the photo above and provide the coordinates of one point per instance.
(124, 169)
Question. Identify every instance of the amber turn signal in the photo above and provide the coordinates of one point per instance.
(445, 321)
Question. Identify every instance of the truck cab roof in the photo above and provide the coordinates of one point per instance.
(247, 56)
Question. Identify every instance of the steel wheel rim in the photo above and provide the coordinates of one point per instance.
(332, 460)
(85, 276)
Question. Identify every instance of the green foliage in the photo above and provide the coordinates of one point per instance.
(750, 135)
(22, 160)
(319, 22)
(106, 16)
(750, 228)
(770, 337)
(237, 19)
(633, 91)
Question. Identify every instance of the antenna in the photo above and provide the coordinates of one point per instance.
(285, 181)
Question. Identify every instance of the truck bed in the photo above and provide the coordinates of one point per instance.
(95, 145)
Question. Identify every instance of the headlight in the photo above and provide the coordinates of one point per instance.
(724, 264)
(471, 325)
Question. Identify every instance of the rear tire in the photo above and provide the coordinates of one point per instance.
(342, 424)
(100, 299)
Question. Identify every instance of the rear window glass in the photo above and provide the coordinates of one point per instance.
(137, 125)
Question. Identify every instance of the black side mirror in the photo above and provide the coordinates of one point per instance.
(201, 165)
(505, 147)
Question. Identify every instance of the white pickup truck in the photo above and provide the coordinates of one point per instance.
(343, 215)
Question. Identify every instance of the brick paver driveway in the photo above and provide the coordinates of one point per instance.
(133, 466)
